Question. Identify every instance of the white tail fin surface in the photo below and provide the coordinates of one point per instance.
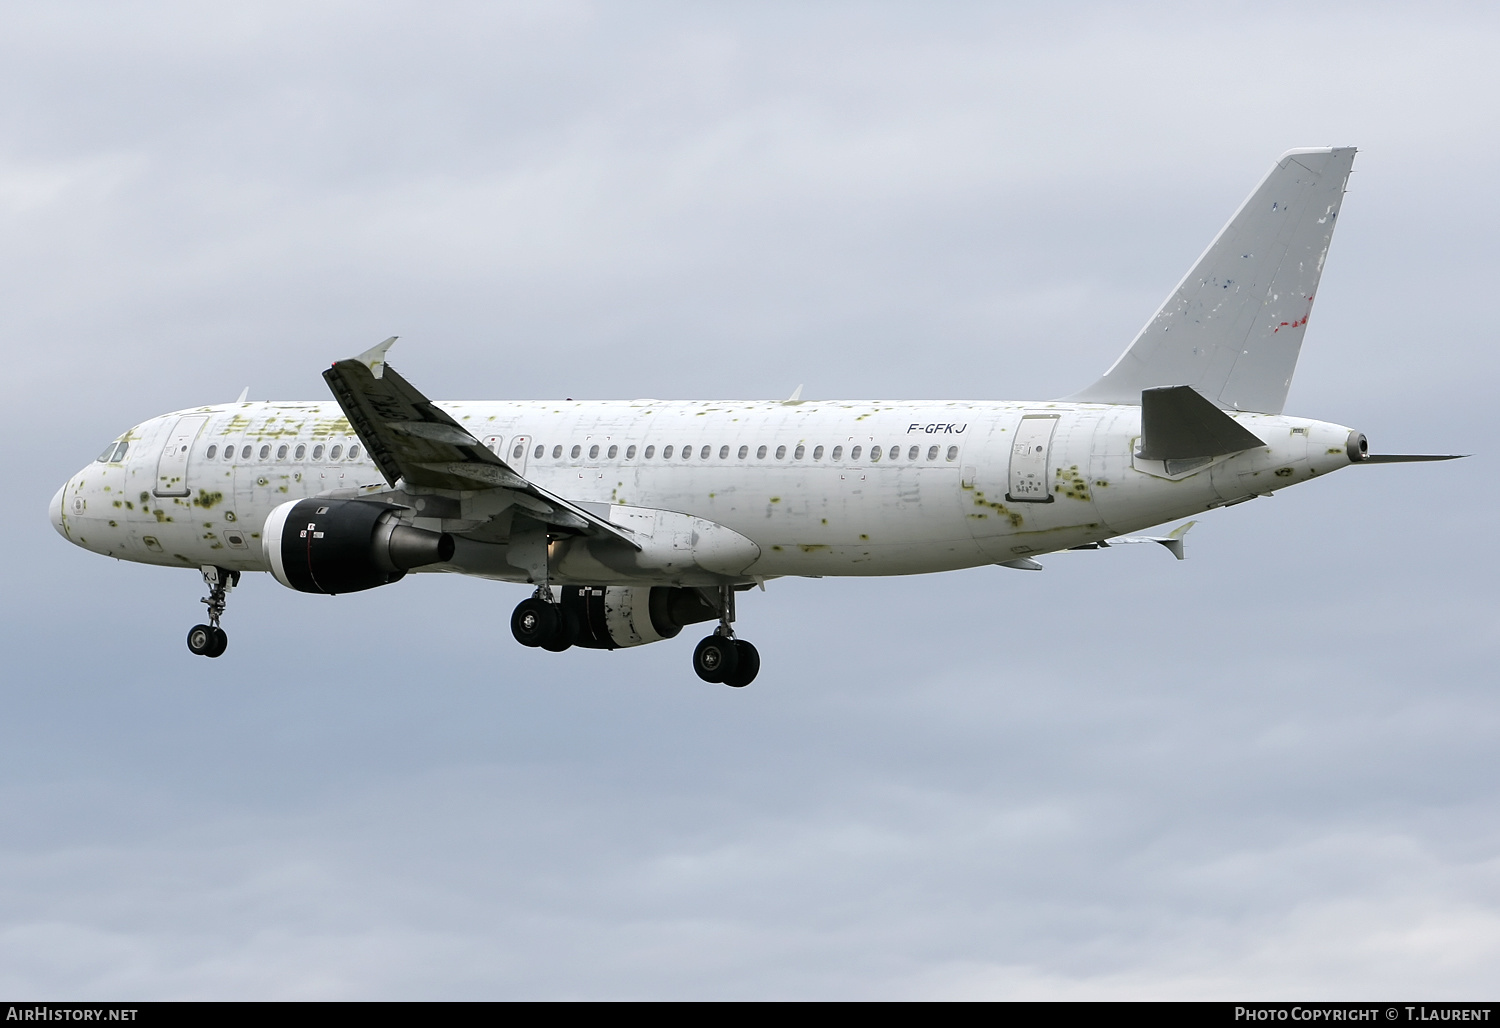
(1232, 329)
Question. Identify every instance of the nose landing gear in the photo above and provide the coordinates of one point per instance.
(210, 640)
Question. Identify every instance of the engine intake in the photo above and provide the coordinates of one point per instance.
(345, 546)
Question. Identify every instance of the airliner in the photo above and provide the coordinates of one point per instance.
(634, 519)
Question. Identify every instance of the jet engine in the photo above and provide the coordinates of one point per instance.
(609, 617)
(343, 546)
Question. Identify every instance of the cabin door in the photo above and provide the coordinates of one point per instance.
(171, 466)
(1029, 454)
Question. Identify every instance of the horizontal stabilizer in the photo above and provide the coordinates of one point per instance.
(1178, 423)
(1409, 458)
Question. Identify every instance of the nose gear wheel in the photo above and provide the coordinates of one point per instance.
(210, 640)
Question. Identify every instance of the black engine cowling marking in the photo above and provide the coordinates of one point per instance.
(342, 546)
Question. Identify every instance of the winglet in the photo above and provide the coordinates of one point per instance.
(796, 396)
(374, 357)
(243, 394)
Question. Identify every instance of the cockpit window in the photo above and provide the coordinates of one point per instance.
(113, 453)
(120, 452)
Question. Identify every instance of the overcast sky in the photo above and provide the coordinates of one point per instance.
(1266, 771)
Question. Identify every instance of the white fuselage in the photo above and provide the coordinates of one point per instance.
(821, 488)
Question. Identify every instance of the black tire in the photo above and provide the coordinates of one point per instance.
(220, 644)
(201, 639)
(715, 658)
(534, 622)
(747, 665)
(566, 631)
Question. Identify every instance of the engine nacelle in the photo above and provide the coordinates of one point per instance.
(343, 546)
(608, 617)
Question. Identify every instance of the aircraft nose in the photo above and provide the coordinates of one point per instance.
(55, 512)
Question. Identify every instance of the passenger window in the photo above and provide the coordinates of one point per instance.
(335, 453)
(537, 453)
(630, 452)
(874, 454)
(854, 453)
(281, 452)
(744, 452)
(723, 453)
(594, 452)
(318, 452)
(666, 453)
(932, 453)
(818, 453)
(650, 452)
(760, 453)
(229, 453)
(575, 451)
(687, 451)
(516, 453)
(706, 452)
(798, 452)
(353, 452)
(838, 453)
(213, 451)
(613, 452)
(780, 452)
(557, 452)
(913, 453)
(265, 451)
(300, 452)
(245, 453)
(953, 453)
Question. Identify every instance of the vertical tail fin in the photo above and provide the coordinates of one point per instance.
(1232, 329)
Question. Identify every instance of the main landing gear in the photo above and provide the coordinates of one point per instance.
(210, 640)
(723, 658)
(543, 622)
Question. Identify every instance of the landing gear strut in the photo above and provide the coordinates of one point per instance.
(541, 620)
(210, 640)
(723, 658)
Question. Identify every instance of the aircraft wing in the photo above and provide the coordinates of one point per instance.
(408, 437)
